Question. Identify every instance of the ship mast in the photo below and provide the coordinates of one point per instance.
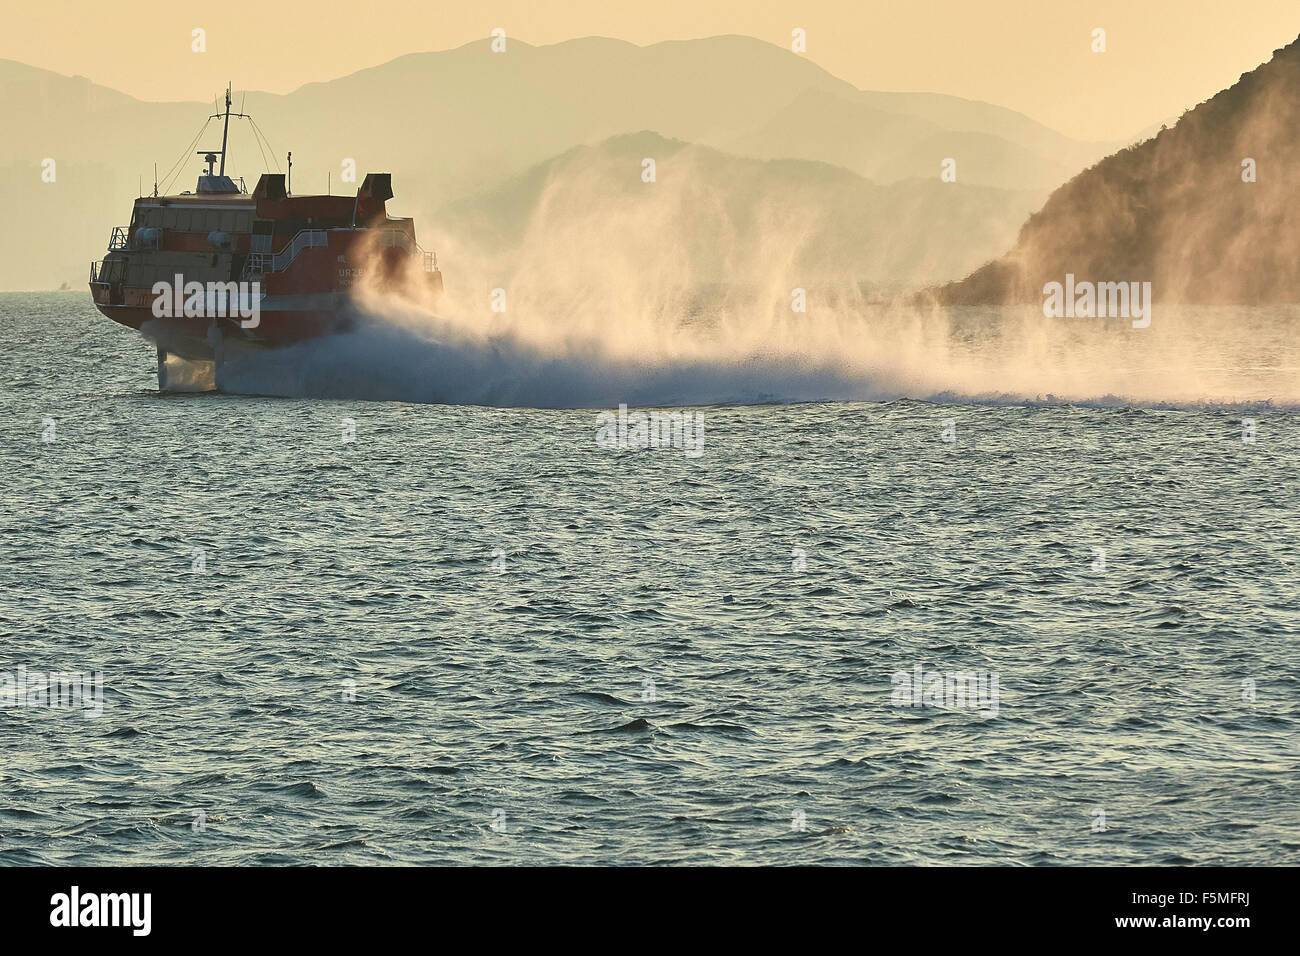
(210, 155)
(225, 132)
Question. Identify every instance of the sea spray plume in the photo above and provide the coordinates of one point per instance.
(611, 281)
(617, 290)
(610, 270)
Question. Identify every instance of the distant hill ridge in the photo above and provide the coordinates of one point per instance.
(718, 218)
(1175, 210)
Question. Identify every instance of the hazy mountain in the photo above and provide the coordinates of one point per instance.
(1174, 210)
(867, 133)
(451, 123)
(481, 114)
(711, 217)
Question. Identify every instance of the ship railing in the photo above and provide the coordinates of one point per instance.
(94, 271)
(260, 263)
(396, 238)
(121, 238)
(306, 239)
(257, 263)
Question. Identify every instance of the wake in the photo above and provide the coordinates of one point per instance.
(381, 362)
(411, 356)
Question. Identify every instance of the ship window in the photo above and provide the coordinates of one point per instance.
(183, 220)
(227, 222)
(241, 222)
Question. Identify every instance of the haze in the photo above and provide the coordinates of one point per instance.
(1163, 55)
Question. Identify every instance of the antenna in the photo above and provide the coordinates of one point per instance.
(288, 187)
(155, 180)
(329, 184)
(210, 155)
(225, 132)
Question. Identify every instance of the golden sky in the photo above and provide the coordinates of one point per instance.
(1034, 56)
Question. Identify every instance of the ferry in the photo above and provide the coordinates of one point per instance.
(207, 273)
